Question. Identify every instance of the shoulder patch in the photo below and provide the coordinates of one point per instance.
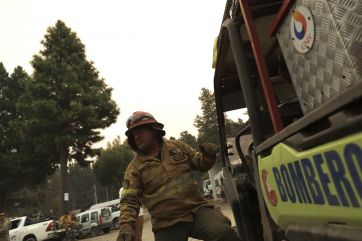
(177, 154)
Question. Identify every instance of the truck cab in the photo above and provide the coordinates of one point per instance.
(296, 68)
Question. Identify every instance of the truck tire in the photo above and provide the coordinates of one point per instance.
(116, 223)
(29, 238)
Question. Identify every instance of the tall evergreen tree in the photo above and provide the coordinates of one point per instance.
(206, 123)
(188, 138)
(19, 165)
(232, 127)
(4, 108)
(112, 163)
(32, 166)
(5, 178)
(67, 103)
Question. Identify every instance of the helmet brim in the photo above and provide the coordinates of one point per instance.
(155, 125)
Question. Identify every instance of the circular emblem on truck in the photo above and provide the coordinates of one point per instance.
(270, 193)
(302, 29)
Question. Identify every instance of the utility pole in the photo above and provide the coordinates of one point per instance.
(95, 193)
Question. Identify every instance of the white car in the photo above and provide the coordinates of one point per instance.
(29, 229)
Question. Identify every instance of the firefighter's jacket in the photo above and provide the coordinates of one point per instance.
(167, 187)
(4, 229)
(66, 221)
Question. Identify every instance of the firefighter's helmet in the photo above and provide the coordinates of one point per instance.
(140, 118)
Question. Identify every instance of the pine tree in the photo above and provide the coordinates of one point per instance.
(5, 178)
(112, 164)
(189, 139)
(19, 164)
(67, 103)
(206, 123)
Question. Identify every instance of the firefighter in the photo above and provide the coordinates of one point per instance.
(65, 220)
(4, 227)
(163, 176)
(68, 220)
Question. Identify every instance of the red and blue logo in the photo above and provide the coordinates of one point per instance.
(302, 29)
(299, 18)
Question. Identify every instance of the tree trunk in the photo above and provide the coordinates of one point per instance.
(63, 178)
(5, 190)
(2, 198)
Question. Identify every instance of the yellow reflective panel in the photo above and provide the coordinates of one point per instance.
(317, 186)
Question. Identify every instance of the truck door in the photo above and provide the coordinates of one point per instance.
(15, 234)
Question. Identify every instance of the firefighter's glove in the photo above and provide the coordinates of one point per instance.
(126, 233)
(209, 150)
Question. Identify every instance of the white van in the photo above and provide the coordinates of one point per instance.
(94, 221)
(111, 203)
(114, 205)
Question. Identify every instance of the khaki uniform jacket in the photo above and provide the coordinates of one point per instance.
(66, 221)
(168, 188)
(4, 230)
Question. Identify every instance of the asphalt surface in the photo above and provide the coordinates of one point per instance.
(147, 234)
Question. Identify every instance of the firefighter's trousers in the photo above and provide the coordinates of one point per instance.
(208, 225)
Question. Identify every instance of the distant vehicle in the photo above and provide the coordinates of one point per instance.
(111, 203)
(95, 220)
(32, 229)
(207, 188)
(114, 205)
(219, 185)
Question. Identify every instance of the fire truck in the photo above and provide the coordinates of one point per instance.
(296, 68)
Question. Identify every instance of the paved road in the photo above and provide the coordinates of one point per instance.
(147, 234)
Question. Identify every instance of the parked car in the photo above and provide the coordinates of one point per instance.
(207, 188)
(114, 205)
(33, 229)
(94, 221)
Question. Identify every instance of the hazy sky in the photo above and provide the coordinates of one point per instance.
(156, 55)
